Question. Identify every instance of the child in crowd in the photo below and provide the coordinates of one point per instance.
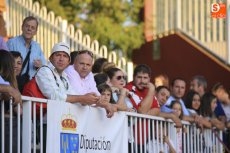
(17, 66)
(208, 105)
(176, 106)
(18, 62)
(162, 143)
(106, 94)
(192, 102)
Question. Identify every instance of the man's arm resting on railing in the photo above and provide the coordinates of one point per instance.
(10, 91)
(87, 99)
(171, 116)
(217, 123)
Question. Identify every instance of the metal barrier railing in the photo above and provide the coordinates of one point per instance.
(146, 133)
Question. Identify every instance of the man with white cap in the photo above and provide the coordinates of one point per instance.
(54, 84)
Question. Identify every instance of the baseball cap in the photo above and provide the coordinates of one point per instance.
(61, 46)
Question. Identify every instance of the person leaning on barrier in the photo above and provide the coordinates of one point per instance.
(57, 86)
(8, 90)
(8, 84)
(82, 80)
(142, 91)
(162, 94)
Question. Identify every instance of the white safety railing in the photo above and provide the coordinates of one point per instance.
(54, 29)
(145, 134)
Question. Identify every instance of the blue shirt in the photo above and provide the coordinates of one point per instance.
(3, 44)
(185, 111)
(166, 109)
(18, 44)
(219, 110)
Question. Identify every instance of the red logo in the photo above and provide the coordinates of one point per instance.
(218, 10)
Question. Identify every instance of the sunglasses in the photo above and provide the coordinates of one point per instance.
(121, 77)
(85, 51)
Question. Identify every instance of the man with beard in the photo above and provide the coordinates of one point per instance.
(142, 97)
(142, 91)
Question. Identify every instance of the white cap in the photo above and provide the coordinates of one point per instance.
(61, 47)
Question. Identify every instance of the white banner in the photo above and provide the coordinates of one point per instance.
(72, 128)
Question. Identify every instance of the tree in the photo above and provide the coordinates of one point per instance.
(115, 23)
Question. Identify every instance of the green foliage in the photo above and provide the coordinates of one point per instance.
(114, 23)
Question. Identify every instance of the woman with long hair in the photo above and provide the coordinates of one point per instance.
(7, 73)
(7, 68)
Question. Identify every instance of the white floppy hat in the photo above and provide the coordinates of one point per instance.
(61, 47)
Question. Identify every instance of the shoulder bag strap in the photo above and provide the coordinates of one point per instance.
(25, 61)
(51, 71)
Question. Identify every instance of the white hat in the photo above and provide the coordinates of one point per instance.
(61, 47)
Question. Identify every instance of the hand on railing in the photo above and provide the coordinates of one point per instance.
(91, 98)
(12, 93)
(108, 108)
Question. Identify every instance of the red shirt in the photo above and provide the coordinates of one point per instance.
(134, 93)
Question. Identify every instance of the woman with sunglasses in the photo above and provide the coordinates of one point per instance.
(117, 83)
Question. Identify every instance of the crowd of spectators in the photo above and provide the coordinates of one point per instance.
(76, 78)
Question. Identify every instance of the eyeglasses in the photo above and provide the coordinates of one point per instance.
(85, 51)
(121, 77)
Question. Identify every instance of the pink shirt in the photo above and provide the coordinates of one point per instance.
(80, 85)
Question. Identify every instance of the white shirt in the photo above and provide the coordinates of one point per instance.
(80, 85)
(226, 109)
(52, 88)
(3, 82)
(127, 101)
(185, 111)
